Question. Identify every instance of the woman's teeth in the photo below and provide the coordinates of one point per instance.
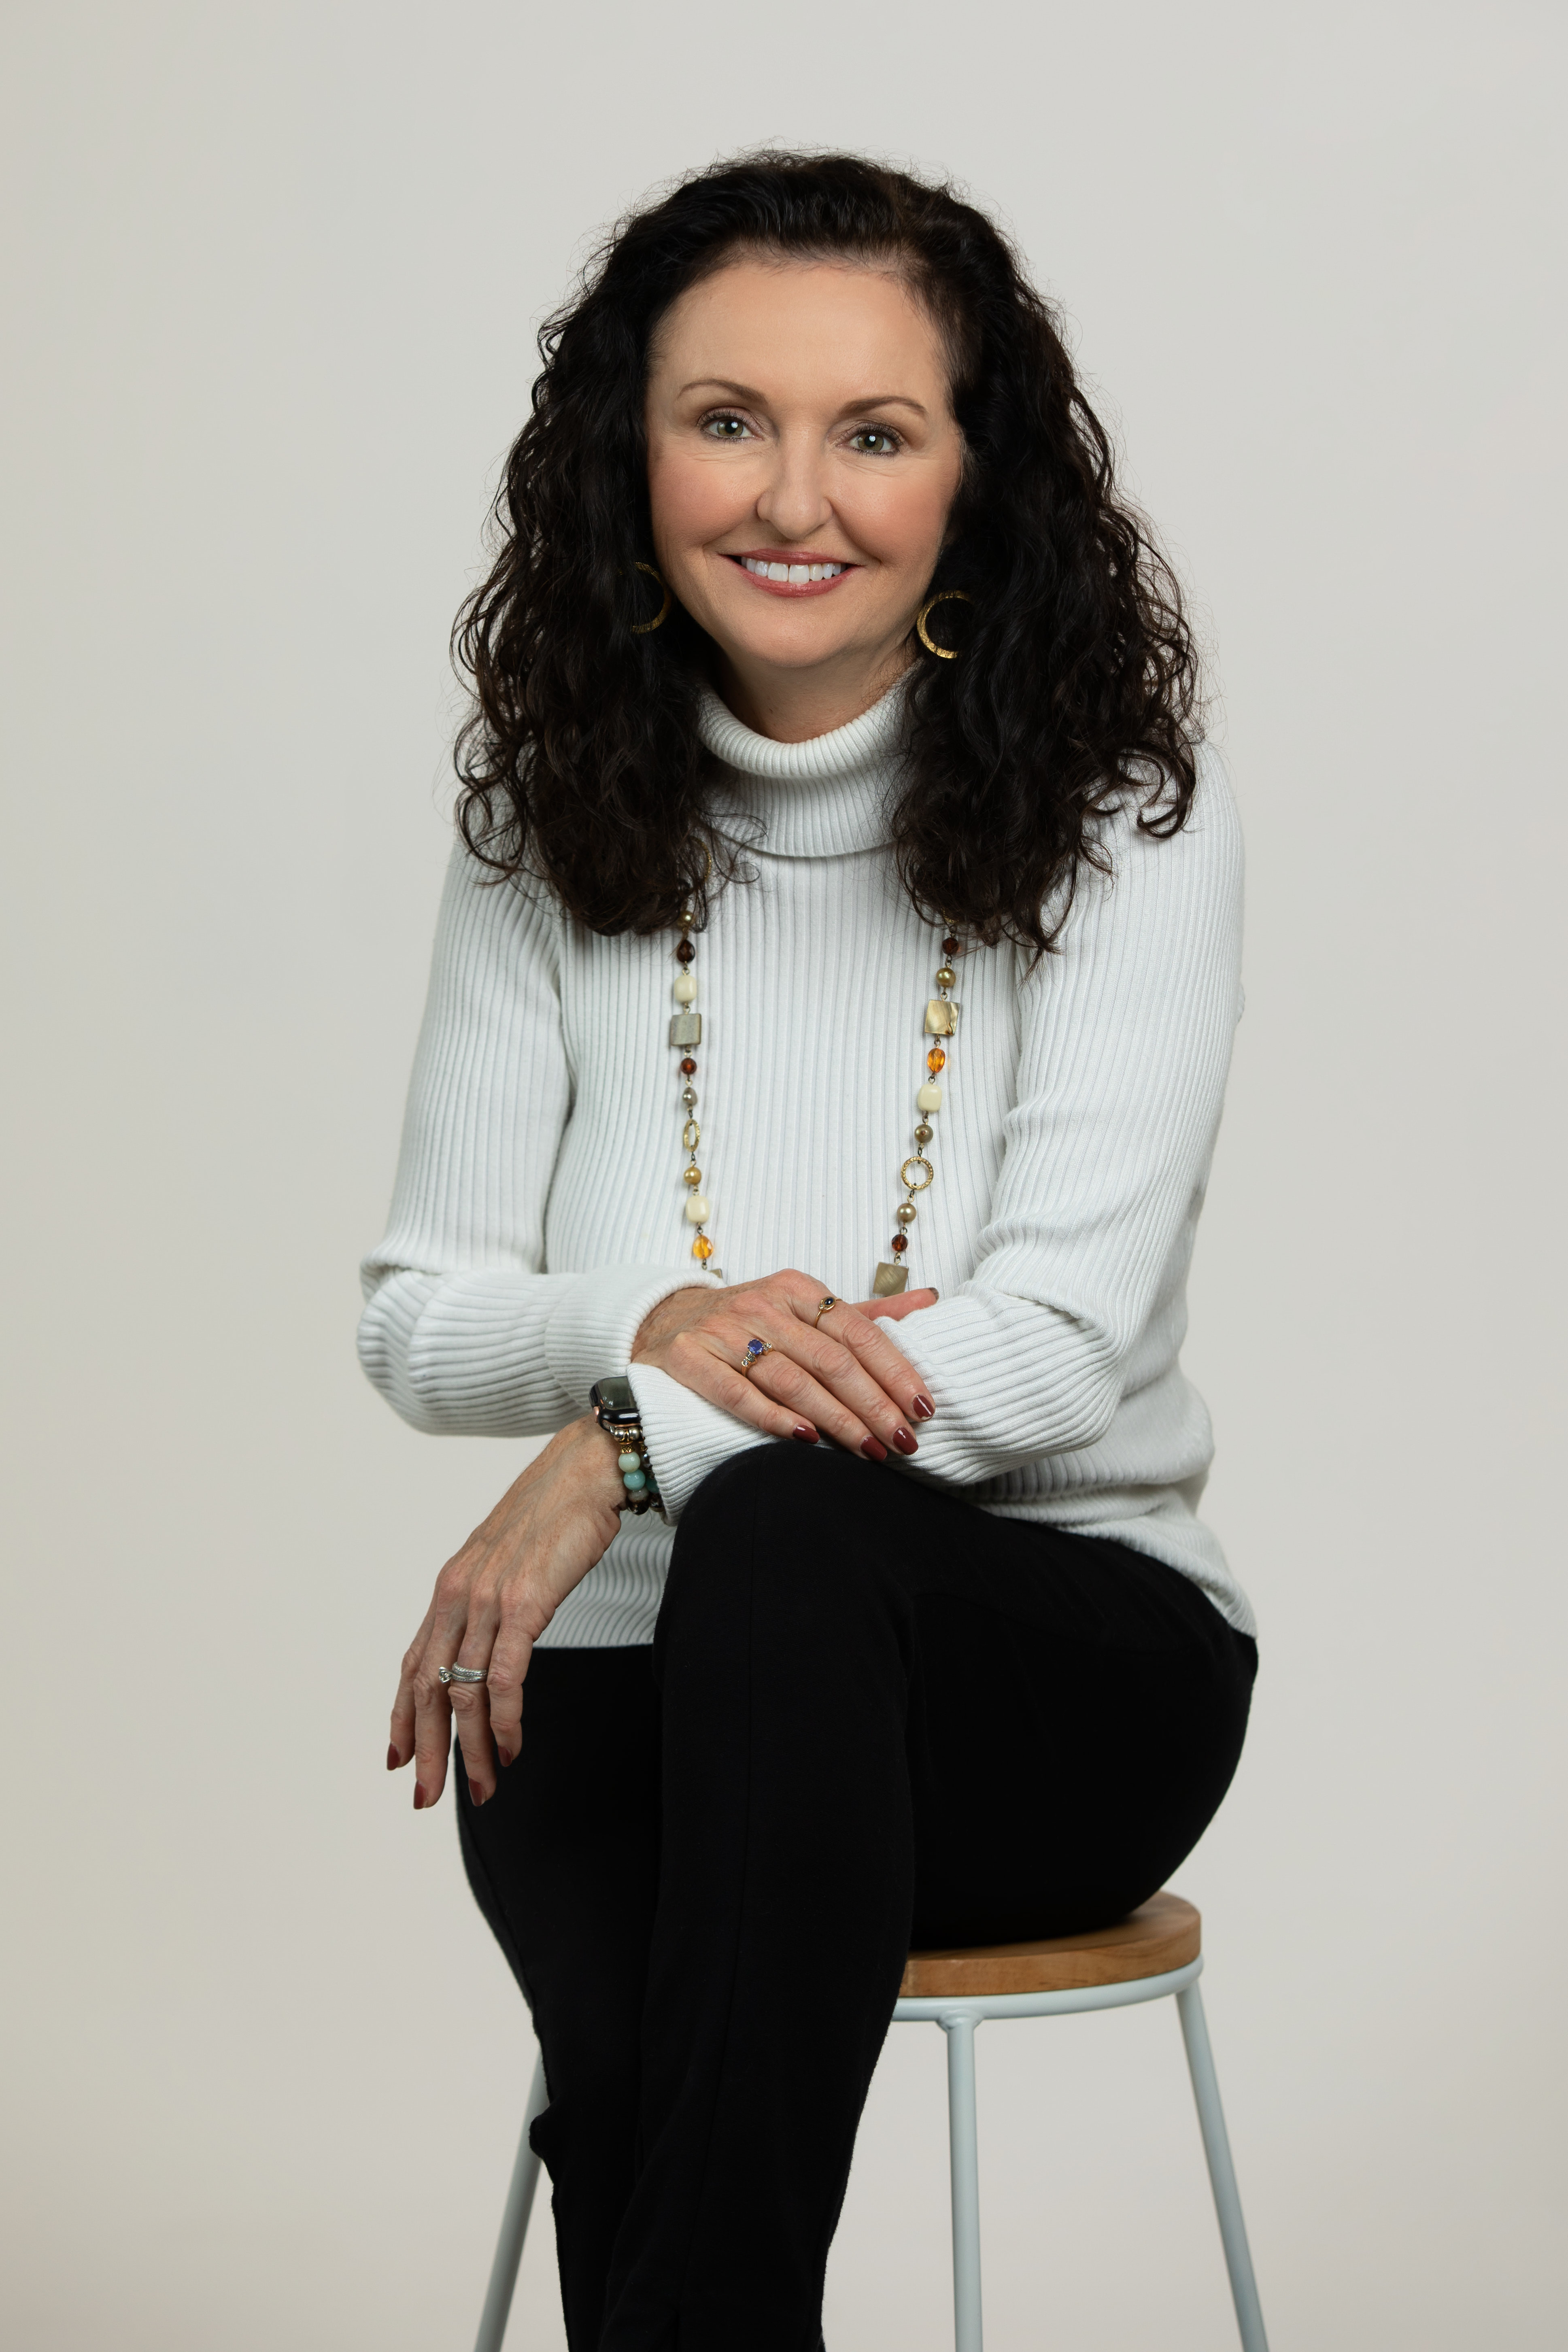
(797, 575)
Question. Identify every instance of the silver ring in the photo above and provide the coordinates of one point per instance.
(460, 1673)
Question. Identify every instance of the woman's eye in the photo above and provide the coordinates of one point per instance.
(726, 428)
(874, 441)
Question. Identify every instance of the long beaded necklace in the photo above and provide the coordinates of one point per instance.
(916, 1173)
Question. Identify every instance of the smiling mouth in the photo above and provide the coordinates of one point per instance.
(794, 576)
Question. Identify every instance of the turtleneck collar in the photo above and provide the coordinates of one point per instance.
(824, 798)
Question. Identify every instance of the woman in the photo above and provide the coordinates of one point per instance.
(824, 689)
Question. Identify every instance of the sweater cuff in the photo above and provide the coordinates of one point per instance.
(686, 1436)
(591, 1330)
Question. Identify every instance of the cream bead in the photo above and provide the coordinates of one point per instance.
(685, 989)
(697, 1208)
(929, 1098)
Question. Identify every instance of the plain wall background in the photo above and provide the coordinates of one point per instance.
(273, 278)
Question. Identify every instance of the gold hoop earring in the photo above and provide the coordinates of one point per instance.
(645, 628)
(948, 596)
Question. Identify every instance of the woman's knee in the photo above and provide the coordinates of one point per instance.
(782, 1535)
(779, 1496)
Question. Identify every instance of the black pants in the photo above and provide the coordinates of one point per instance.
(873, 1717)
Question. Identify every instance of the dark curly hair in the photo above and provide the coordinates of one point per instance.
(581, 762)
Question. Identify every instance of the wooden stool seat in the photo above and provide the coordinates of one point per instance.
(1162, 1934)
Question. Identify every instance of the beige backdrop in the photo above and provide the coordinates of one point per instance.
(274, 277)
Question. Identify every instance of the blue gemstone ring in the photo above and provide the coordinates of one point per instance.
(755, 1350)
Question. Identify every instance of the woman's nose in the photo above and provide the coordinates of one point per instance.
(796, 501)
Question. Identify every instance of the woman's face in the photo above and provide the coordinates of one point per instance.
(803, 459)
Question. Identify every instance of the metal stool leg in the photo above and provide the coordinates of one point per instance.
(965, 2155)
(1222, 2172)
(513, 2228)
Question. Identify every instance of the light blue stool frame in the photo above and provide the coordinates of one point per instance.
(958, 2016)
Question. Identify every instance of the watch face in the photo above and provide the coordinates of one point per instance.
(614, 1399)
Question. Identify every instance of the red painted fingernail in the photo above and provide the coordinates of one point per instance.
(419, 1797)
(873, 1451)
(923, 1408)
(392, 1759)
(805, 1432)
(476, 1796)
(904, 1440)
(505, 1753)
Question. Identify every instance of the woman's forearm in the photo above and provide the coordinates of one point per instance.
(498, 1352)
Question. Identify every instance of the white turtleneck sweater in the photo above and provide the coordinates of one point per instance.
(539, 1211)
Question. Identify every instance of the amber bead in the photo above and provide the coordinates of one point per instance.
(688, 1067)
(900, 1244)
(686, 952)
(950, 947)
(936, 1060)
(702, 1247)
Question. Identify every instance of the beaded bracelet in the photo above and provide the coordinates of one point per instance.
(635, 1468)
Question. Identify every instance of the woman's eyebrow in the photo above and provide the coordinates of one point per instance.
(722, 384)
(749, 392)
(883, 400)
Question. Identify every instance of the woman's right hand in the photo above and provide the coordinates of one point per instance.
(841, 1378)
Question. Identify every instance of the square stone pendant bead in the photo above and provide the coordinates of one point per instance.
(941, 1017)
(891, 1280)
(685, 1028)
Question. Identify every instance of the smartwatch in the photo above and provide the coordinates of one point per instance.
(614, 1408)
(613, 1402)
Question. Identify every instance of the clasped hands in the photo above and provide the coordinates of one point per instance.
(841, 1379)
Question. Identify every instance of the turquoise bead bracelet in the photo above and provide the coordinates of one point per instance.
(636, 1469)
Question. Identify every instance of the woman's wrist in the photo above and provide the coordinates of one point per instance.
(674, 1314)
(595, 1453)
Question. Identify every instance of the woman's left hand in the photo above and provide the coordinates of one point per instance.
(492, 1601)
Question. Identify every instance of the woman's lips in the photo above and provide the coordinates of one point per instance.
(763, 571)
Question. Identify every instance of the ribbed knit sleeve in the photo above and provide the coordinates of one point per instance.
(462, 1331)
(1126, 1041)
